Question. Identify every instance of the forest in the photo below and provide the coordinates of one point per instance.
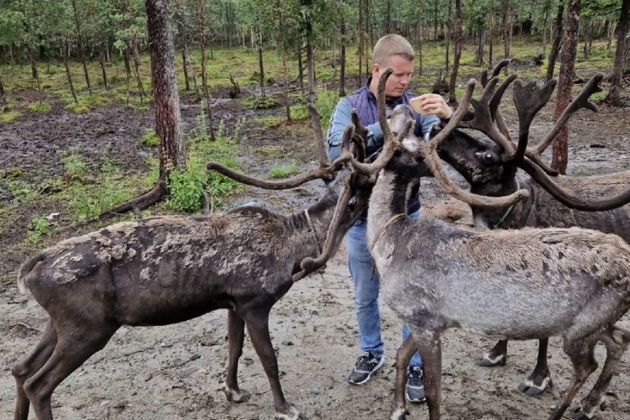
(110, 110)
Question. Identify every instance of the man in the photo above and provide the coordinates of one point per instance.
(390, 51)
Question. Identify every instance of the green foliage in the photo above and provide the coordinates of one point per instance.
(9, 116)
(150, 139)
(74, 166)
(283, 171)
(85, 200)
(260, 102)
(271, 121)
(38, 228)
(39, 107)
(186, 187)
(299, 112)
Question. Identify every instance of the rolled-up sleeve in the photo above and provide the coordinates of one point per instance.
(424, 124)
(339, 120)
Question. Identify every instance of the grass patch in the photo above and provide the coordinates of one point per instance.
(283, 171)
(39, 107)
(260, 102)
(270, 121)
(150, 139)
(187, 186)
(38, 228)
(9, 116)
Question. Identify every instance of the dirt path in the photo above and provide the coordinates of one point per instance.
(174, 372)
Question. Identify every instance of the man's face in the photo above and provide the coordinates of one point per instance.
(399, 80)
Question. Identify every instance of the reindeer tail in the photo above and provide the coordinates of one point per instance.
(25, 269)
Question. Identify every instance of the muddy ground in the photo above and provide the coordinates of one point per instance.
(175, 372)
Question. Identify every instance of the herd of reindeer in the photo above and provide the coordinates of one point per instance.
(549, 256)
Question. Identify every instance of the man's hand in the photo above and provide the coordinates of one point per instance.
(431, 103)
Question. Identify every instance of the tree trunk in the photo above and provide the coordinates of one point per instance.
(457, 53)
(310, 64)
(261, 70)
(135, 55)
(361, 42)
(481, 40)
(614, 96)
(185, 63)
(204, 78)
(81, 46)
(587, 36)
(567, 65)
(557, 40)
(387, 27)
(34, 71)
(101, 60)
(491, 30)
(64, 55)
(285, 67)
(544, 34)
(167, 113)
(3, 99)
(507, 29)
(342, 59)
(447, 35)
(419, 35)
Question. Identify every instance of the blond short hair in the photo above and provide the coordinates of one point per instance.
(389, 45)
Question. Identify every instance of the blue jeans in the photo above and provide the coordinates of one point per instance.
(366, 287)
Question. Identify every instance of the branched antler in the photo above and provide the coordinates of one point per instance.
(581, 101)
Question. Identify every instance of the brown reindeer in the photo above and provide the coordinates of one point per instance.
(518, 284)
(169, 269)
(553, 202)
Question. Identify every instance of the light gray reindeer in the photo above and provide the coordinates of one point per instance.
(518, 284)
(164, 270)
(491, 169)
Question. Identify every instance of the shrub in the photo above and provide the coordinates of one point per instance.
(150, 139)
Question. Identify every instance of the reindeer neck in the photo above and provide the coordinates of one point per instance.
(313, 222)
(388, 199)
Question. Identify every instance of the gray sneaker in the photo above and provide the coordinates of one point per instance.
(363, 369)
(414, 391)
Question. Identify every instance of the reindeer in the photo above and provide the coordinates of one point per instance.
(520, 284)
(491, 169)
(163, 270)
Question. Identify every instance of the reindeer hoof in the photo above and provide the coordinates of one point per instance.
(491, 361)
(234, 395)
(580, 414)
(291, 414)
(531, 388)
(399, 414)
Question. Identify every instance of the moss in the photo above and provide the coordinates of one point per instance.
(9, 116)
(150, 139)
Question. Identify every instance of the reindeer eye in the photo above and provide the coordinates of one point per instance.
(487, 157)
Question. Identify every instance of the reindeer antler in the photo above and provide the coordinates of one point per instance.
(429, 152)
(581, 101)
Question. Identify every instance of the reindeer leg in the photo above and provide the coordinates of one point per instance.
(581, 353)
(399, 409)
(616, 341)
(538, 381)
(497, 355)
(30, 366)
(236, 334)
(258, 328)
(71, 351)
(429, 345)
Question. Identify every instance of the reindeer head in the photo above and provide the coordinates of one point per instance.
(493, 171)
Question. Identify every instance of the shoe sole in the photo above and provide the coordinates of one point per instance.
(380, 364)
(414, 401)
